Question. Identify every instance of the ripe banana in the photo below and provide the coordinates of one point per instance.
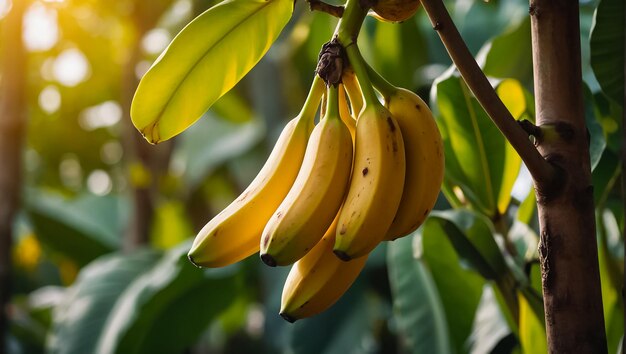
(344, 112)
(318, 280)
(315, 197)
(353, 89)
(235, 232)
(376, 184)
(424, 161)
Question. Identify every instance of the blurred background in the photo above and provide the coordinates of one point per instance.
(97, 261)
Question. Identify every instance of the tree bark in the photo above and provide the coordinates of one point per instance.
(568, 250)
(12, 125)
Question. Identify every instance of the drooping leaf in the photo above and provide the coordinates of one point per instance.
(79, 319)
(490, 326)
(81, 229)
(607, 47)
(478, 158)
(165, 309)
(449, 276)
(471, 234)
(399, 45)
(340, 329)
(510, 54)
(597, 142)
(418, 307)
(531, 329)
(201, 151)
(203, 62)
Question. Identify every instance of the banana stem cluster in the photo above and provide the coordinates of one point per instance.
(329, 193)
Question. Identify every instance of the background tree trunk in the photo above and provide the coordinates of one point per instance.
(567, 250)
(12, 117)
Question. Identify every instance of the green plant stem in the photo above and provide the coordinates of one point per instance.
(312, 101)
(347, 33)
(332, 105)
(542, 172)
(386, 88)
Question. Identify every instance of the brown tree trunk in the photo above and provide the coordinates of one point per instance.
(137, 156)
(12, 125)
(568, 249)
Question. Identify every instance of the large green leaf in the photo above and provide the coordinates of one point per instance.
(418, 308)
(478, 158)
(213, 143)
(399, 45)
(343, 328)
(532, 330)
(165, 309)
(203, 62)
(471, 234)
(607, 47)
(81, 229)
(80, 318)
(449, 276)
(510, 54)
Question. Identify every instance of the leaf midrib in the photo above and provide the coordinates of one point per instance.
(186, 75)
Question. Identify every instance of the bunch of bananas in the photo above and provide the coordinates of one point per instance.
(330, 192)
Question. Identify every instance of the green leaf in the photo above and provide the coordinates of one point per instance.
(471, 235)
(341, 329)
(607, 48)
(399, 45)
(165, 309)
(203, 62)
(532, 332)
(478, 158)
(80, 318)
(510, 54)
(418, 308)
(605, 175)
(204, 149)
(597, 142)
(81, 229)
(449, 275)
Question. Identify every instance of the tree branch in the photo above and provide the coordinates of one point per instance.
(541, 171)
(319, 5)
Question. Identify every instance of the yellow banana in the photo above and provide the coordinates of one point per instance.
(318, 280)
(353, 89)
(344, 112)
(376, 184)
(315, 197)
(424, 161)
(235, 232)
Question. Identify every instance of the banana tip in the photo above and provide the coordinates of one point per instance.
(191, 260)
(269, 260)
(342, 255)
(288, 318)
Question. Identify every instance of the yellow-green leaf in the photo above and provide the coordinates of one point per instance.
(203, 62)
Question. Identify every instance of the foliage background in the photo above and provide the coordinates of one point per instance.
(467, 281)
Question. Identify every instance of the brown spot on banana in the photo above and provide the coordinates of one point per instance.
(392, 127)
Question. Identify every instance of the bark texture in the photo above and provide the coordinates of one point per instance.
(12, 117)
(568, 249)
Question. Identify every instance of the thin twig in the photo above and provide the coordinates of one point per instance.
(318, 5)
(541, 171)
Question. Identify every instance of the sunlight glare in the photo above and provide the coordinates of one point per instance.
(103, 115)
(156, 40)
(41, 30)
(99, 182)
(50, 99)
(71, 67)
(5, 6)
